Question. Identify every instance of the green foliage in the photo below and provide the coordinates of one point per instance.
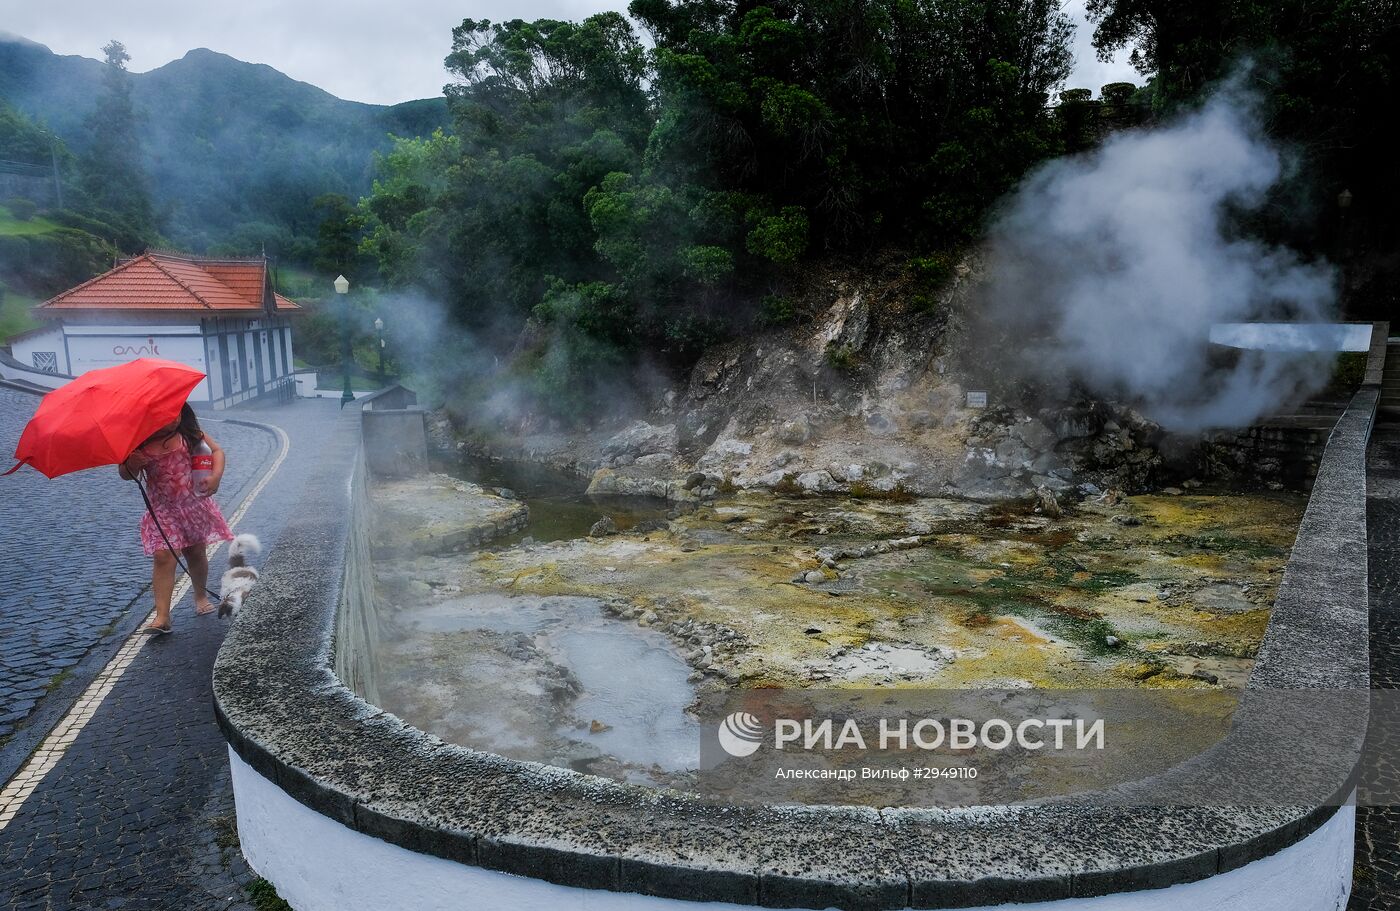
(776, 310)
(264, 896)
(782, 237)
(233, 154)
(843, 357)
(1118, 93)
(112, 175)
(1326, 78)
(603, 203)
(20, 208)
(15, 315)
(930, 275)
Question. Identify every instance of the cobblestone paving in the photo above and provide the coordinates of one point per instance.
(73, 569)
(1376, 884)
(139, 813)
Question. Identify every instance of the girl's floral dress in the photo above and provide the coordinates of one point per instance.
(187, 519)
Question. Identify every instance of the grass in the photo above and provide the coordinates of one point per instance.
(14, 314)
(13, 227)
(265, 897)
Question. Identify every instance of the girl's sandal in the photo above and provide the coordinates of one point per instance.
(154, 630)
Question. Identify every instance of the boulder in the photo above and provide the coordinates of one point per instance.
(1035, 435)
(641, 438)
(603, 527)
(796, 431)
(816, 481)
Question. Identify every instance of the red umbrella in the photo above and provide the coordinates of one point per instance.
(102, 416)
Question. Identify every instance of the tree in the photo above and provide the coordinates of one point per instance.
(112, 177)
(603, 204)
(337, 236)
(1325, 78)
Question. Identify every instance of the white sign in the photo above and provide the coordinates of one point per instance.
(977, 400)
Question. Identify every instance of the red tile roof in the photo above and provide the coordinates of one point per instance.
(172, 283)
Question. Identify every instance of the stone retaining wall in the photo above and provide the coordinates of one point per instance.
(294, 725)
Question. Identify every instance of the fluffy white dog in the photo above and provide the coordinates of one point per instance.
(239, 578)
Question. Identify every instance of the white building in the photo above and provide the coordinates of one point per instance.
(220, 316)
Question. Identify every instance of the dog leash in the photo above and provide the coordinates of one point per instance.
(173, 552)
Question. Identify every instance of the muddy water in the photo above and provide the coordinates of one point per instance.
(559, 509)
(585, 652)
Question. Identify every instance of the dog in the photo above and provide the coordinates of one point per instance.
(239, 578)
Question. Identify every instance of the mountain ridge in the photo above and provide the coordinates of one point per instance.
(230, 147)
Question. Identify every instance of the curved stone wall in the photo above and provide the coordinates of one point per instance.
(294, 726)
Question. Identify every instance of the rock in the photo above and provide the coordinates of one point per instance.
(1012, 453)
(854, 472)
(917, 527)
(1125, 519)
(623, 461)
(724, 450)
(505, 493)
(597, 727)
(654, 460)
(641, 438)
(1191, 484)
(816, 481)
(1046, 502)
(1112, 641)
(694, 480)
(814, 576)
(796, 431)
(1172, 491)
(880, 423)
(1111, 497)
(603, 527)
(1051, 482)
(1035, 435)
(647, 618)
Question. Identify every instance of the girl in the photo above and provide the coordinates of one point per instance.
(189, 517)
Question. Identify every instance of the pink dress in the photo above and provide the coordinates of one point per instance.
(187, 519)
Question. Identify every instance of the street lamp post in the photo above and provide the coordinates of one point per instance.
(379, 328)
(342, 287)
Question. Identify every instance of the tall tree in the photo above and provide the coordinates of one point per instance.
(113, 179)
(1325, 76)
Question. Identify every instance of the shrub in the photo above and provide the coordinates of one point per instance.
(776, 310)
(860, 490)
(21, 208)
(930, 274)
(782, 237)
(843, 357)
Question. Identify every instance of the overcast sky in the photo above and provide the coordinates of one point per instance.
(364, 50)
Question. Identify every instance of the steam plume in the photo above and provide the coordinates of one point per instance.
(1112, 266)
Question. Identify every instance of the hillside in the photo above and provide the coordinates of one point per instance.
(228, 144)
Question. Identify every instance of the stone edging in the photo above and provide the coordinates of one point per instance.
(288, 716)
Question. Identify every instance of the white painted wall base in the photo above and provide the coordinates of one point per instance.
(319, 865)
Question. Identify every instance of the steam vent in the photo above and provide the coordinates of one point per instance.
(709, 456)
